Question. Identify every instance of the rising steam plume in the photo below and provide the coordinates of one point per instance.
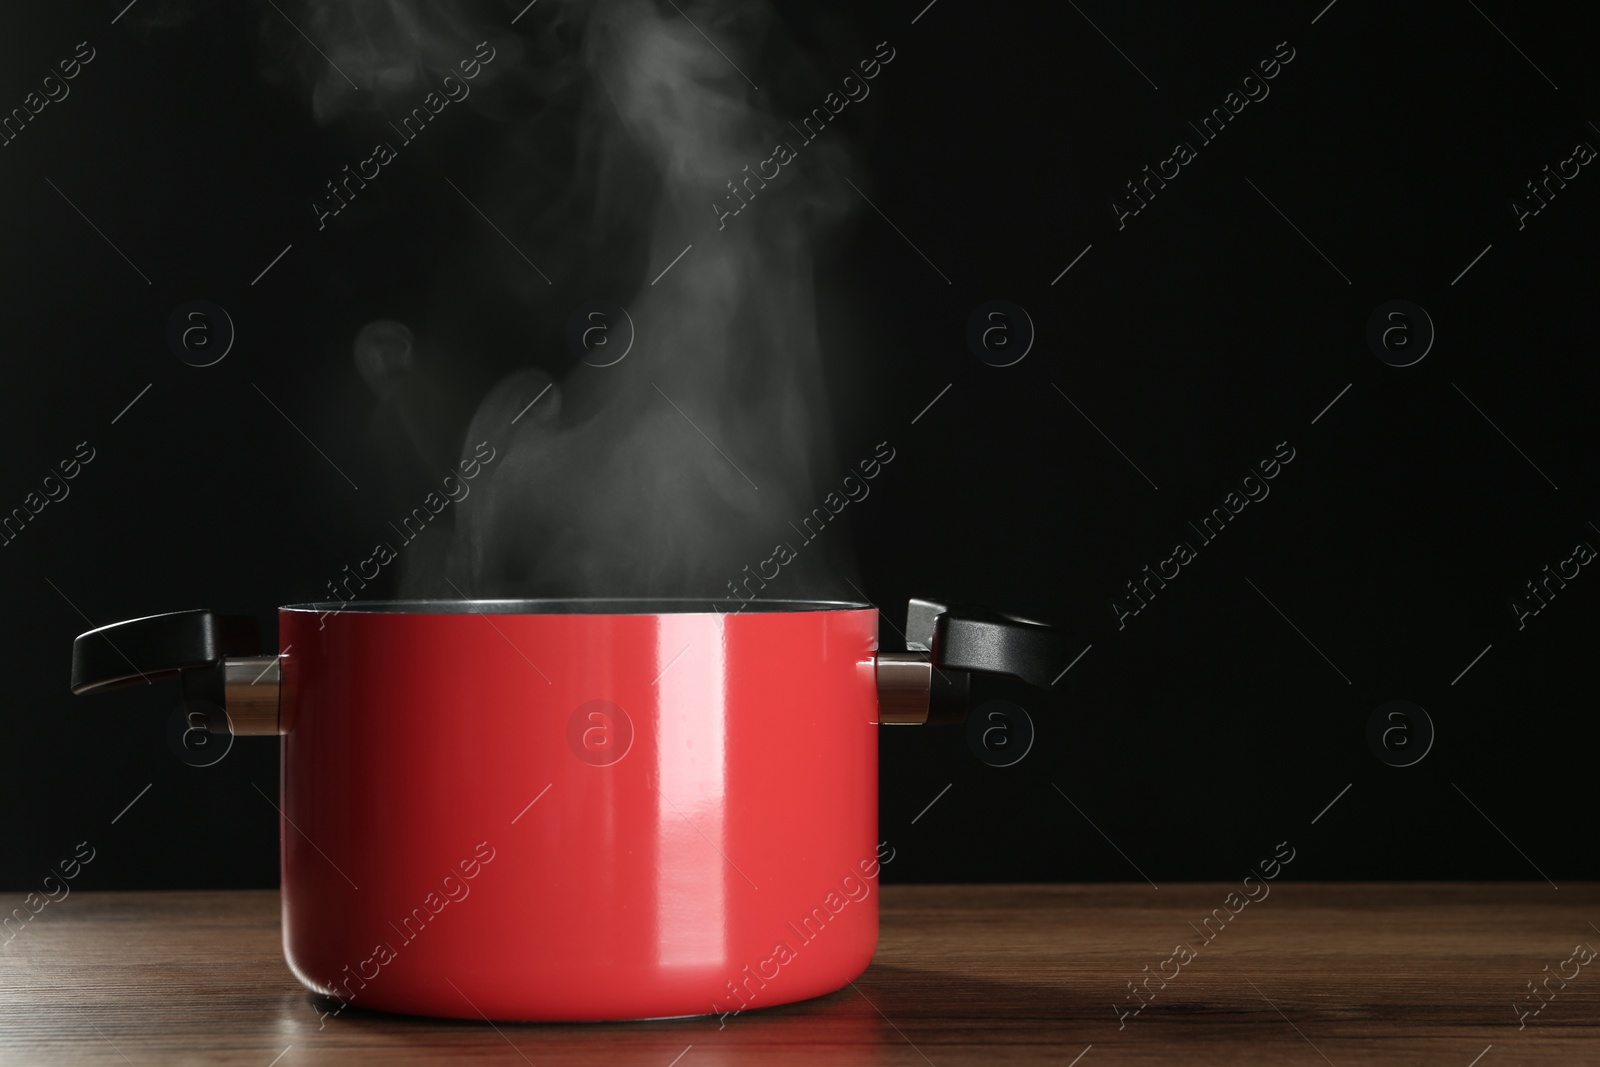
(667, 473)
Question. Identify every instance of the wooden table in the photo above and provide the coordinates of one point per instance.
(1313, 974)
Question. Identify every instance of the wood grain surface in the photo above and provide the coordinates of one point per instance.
(1314, 974)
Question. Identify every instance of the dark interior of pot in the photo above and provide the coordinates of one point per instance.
(567, 606)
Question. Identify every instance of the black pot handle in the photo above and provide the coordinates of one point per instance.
(159, 646)
(989, 642)
(227, 683)
(929, 683)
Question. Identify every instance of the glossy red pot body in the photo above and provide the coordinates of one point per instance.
(518, 814)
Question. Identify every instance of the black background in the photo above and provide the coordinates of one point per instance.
(1196, 338)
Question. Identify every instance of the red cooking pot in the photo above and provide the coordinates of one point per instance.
(574, 809)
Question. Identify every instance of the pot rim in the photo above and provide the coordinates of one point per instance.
(570, 606)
